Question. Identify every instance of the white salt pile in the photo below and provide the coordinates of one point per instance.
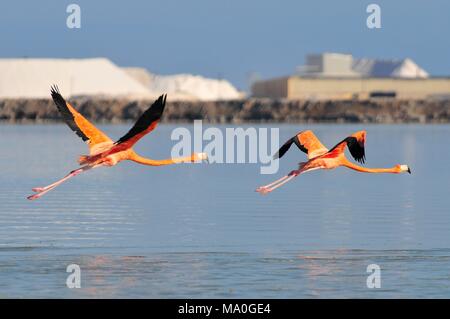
(186, 86)
(32, 78)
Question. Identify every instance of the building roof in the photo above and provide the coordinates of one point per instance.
(344, 65)
(405, 68)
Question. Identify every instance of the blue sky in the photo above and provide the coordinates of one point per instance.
(231, 39)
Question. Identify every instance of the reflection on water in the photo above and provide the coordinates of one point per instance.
(202, 231)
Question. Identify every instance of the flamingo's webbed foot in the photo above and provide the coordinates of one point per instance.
(263, 190)
(34, 196)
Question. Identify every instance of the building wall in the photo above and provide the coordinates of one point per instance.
(345, 88)
(274, 88)
(323, 88)
(408, 88)
(329, 64)
(335, 64)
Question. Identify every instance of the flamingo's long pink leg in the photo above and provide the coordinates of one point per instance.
(43, 190)
(265, 190)
(71, 174)
(269, 187)
(273, 183)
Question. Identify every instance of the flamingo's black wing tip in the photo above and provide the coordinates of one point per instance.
(54, 89)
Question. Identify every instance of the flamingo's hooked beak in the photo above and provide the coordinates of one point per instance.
(409, 170)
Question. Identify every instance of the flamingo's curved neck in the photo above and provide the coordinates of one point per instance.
(358, 168)
(148, 161)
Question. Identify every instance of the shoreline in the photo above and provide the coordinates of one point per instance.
(252, 110)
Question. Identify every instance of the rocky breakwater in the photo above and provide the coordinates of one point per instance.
(238, 111)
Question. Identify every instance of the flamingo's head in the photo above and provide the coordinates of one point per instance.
(201, 156)
(404, 169)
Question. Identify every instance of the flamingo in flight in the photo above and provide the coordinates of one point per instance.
(319, 157)
(102, 150)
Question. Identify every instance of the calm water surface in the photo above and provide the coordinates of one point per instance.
(201, 231)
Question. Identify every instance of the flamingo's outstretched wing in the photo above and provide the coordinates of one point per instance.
(355, 143)
(307, 142)
(80, 125)
(144, 125)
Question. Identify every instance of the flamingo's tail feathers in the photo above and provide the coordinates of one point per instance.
(301, 165)
(83, 159)
(283, 149)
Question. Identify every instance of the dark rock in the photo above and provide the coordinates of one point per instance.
(238, 111)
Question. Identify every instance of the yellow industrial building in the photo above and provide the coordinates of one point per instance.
(339, 76)
(296, 87)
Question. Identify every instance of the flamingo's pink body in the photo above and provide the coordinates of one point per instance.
(322, 158)
(105, 152)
